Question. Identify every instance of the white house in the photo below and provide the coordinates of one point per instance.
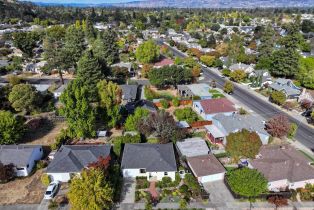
(71, 159)
(23, 157)
(210, 107)
(206, 168)
(153, 161)
(284, 167)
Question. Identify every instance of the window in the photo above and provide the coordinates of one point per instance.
(142, 170)
(27, 166)
(20, 169)
(166, 173)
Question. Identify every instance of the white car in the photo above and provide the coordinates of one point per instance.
(51, 190)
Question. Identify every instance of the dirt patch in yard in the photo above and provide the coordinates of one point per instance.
(45, 134)
(27, 190)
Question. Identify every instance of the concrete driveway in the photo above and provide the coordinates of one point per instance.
(218, 192)
(128, 191)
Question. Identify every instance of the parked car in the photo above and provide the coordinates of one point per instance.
(51, 190)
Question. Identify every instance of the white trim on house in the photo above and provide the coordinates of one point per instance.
(133, 173)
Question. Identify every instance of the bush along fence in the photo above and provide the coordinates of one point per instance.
(182, 102)
(282, 194)
(200, 124)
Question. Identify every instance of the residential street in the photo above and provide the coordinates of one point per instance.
(305, 134)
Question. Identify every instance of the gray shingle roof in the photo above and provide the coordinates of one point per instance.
(73, 158)
(19, 155)
(152, 157)
(192, 147)
(129, 92)
(238, 122)
(285, 85)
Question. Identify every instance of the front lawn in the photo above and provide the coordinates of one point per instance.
(216, 94)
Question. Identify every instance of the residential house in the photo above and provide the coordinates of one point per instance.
(189, 91)
(192, 147)
(224, 125)
(163, 62)
(210, 107)
(23, 157)
(262, 78)
(206, 168)
(284, 167)
(153, 161)
(129, 93)
(241, 66)
(70, 160)
(287, 87)
(42, 88)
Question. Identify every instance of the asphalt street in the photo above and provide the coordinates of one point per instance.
(305, 133)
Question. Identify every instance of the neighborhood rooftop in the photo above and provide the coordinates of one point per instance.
(205, 165)
(192, 147)
(283, 163)
(219, 105)
(19, 155)
(73, 158)
(129, 92)
(237, 122)
(152, 157)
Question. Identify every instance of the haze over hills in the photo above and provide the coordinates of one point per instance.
(193, 3)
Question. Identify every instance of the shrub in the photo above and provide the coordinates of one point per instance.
(176, 102)
(186, 114)
(226, 72)
(184, 189)
(278, 97)
(45, 179)
(242, 111)
(238, 75)
(137, 196)
(164, 104)
(228, 87)
(150, 94)
(177, 179)
(118, 141)
(293, 130)
(183, 204)
(62, 138)
(196, 98)
(165, 182)
(192, 183)
(41, 164)
(53, 205)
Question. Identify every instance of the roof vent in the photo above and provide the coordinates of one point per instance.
(282, 147)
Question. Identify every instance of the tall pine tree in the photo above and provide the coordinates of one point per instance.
(89, 71)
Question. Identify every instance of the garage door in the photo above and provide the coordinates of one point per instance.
(212, 178)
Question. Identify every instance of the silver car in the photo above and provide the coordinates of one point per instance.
(51, 190)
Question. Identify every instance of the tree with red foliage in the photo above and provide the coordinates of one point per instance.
(6, 172)
(101, 164)
(278, 201)
(278, 126)
(306, 104)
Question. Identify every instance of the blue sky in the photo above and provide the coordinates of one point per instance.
(81, 1)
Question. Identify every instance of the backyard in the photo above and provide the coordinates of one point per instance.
(28, 190)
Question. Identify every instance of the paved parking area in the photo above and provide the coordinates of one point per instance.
(218, 192)
(128, 191)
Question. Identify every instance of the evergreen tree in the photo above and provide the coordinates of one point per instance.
(89, 30)
(110, 50)
(89, 71)
(99, 50)
(74, 45)
(77, 110)
(266, 48)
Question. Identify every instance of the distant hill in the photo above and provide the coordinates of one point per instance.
(219, 3)
(196, 3)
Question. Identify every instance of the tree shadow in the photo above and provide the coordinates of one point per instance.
(34, 133)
